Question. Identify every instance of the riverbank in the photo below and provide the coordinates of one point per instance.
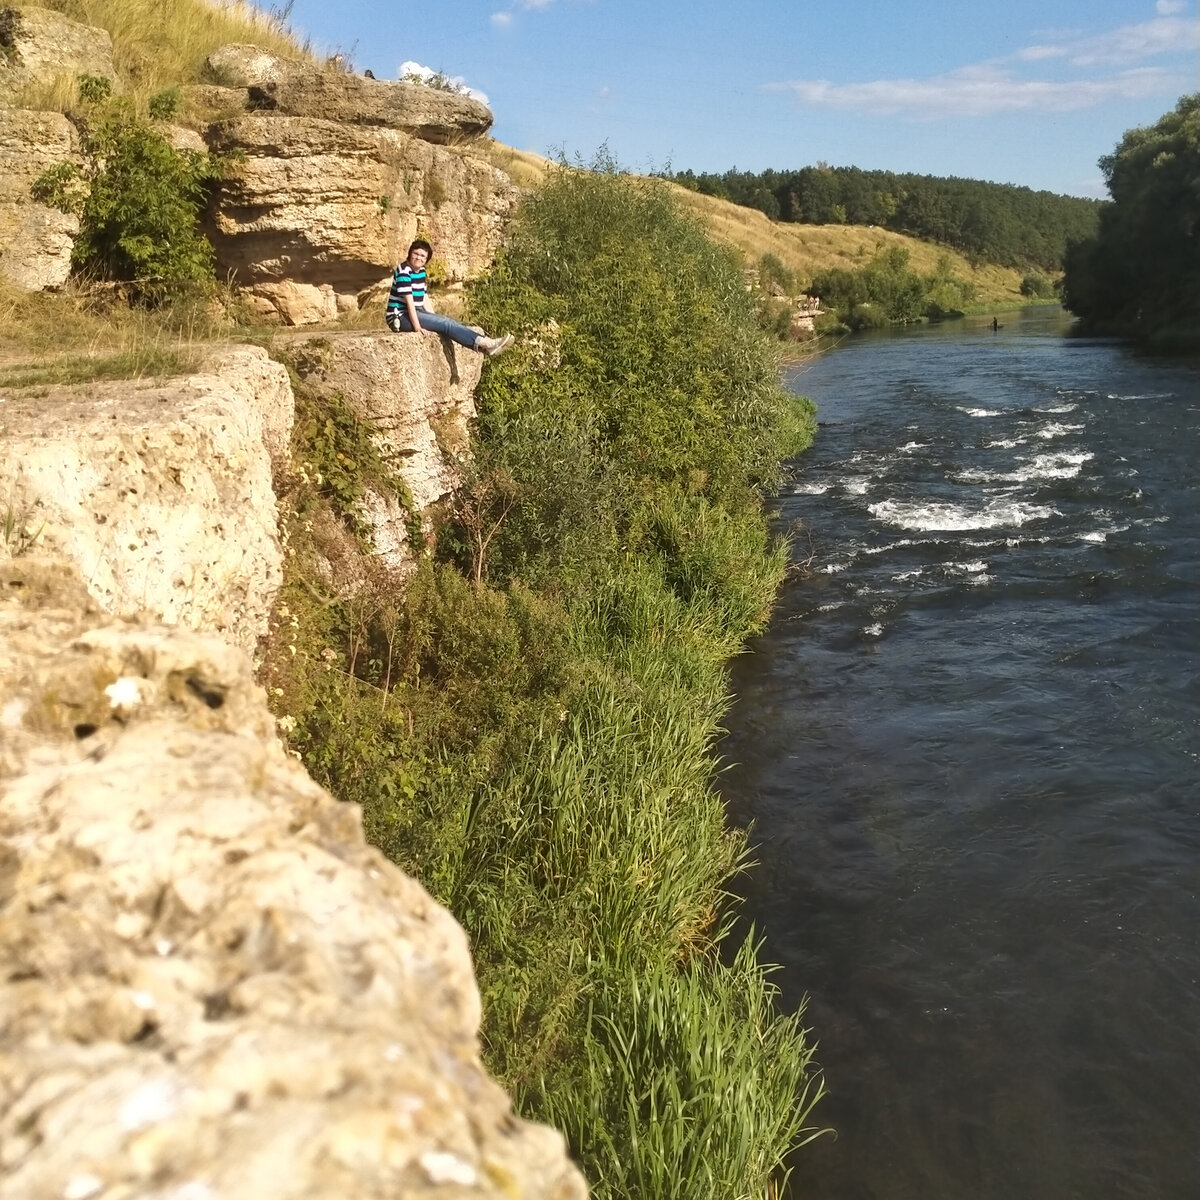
(530, 725)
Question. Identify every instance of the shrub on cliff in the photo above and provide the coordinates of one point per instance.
(639, 371)
(138, 200)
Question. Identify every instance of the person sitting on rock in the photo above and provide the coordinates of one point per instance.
(408, 310)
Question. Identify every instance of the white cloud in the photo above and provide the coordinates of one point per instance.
(1123, 46)
(995, 86)
(458, 84)
(1166, 8)
(977, 91)
(501, 20)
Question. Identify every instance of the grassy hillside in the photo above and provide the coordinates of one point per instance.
(809, 249)
(157, 45)
(805, 250)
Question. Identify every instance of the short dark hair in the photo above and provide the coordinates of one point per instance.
(421, 244)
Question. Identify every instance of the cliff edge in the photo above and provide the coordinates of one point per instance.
(212, 986)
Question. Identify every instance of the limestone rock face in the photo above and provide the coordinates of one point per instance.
(212, 987)
(325, 204)
(415, 392)
(240, 65)
(158, 493)
(35, 240)
(38, 44)
(299, 89)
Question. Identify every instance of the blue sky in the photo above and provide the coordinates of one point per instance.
(1029, 92)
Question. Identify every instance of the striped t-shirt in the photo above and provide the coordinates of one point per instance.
(406, 282)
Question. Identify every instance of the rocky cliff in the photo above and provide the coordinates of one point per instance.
(212, 987)
(331, 175)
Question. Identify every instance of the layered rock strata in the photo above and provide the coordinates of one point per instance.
(299, 89)
(35, 240)
(316, 211)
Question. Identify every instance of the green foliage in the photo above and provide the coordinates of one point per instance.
(660, 375)
(1037, 286)
(530, 727)
(335, 449)
(665, 1074)
(887, 291)
(94, 89)
(164, 105)
(139, 202)
(1140, 274)
(991, 222)
(772, 270)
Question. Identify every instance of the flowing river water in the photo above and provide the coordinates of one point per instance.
(968, 746)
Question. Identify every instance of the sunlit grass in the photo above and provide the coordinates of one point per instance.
(157, 45)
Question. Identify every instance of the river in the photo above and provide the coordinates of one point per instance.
(968, 747)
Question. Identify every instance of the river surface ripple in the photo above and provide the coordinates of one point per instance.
(968, 745)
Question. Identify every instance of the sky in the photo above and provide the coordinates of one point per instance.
(1029, 92)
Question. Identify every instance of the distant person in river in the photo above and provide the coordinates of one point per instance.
(408, 308)
(995, 324)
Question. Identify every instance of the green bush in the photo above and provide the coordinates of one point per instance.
(1036, 285)
(138, 200)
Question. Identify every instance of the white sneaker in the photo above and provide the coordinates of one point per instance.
(493, 346)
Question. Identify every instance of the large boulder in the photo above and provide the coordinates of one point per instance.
(38, 45)
(334, 206)
(35, 240)
(159, 493)
(212, 986)
(299, 89)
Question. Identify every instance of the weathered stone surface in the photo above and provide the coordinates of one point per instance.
(300, 89)
(428, 113)
(415, 392)
(239, 65)
(180, 137)
(212, 987)
(159, 493)
(321, 203)
(39, 44)
(212, 101)
(35, 240)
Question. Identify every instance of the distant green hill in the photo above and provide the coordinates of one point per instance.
(987, 222)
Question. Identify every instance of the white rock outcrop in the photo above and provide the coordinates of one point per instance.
(332, 207)
(294, 88)
(37, 45)
(158, 492)
(211, 987)
(35, 240)
(416, 395)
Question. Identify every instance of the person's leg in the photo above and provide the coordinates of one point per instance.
(447, 327)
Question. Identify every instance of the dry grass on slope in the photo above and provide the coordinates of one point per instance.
(157, 45)
(809, 249)
(803, 249)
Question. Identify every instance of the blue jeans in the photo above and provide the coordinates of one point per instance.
(398, 322)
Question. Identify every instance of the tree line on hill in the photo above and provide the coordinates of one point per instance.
(1140, 274)
(988, 222)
